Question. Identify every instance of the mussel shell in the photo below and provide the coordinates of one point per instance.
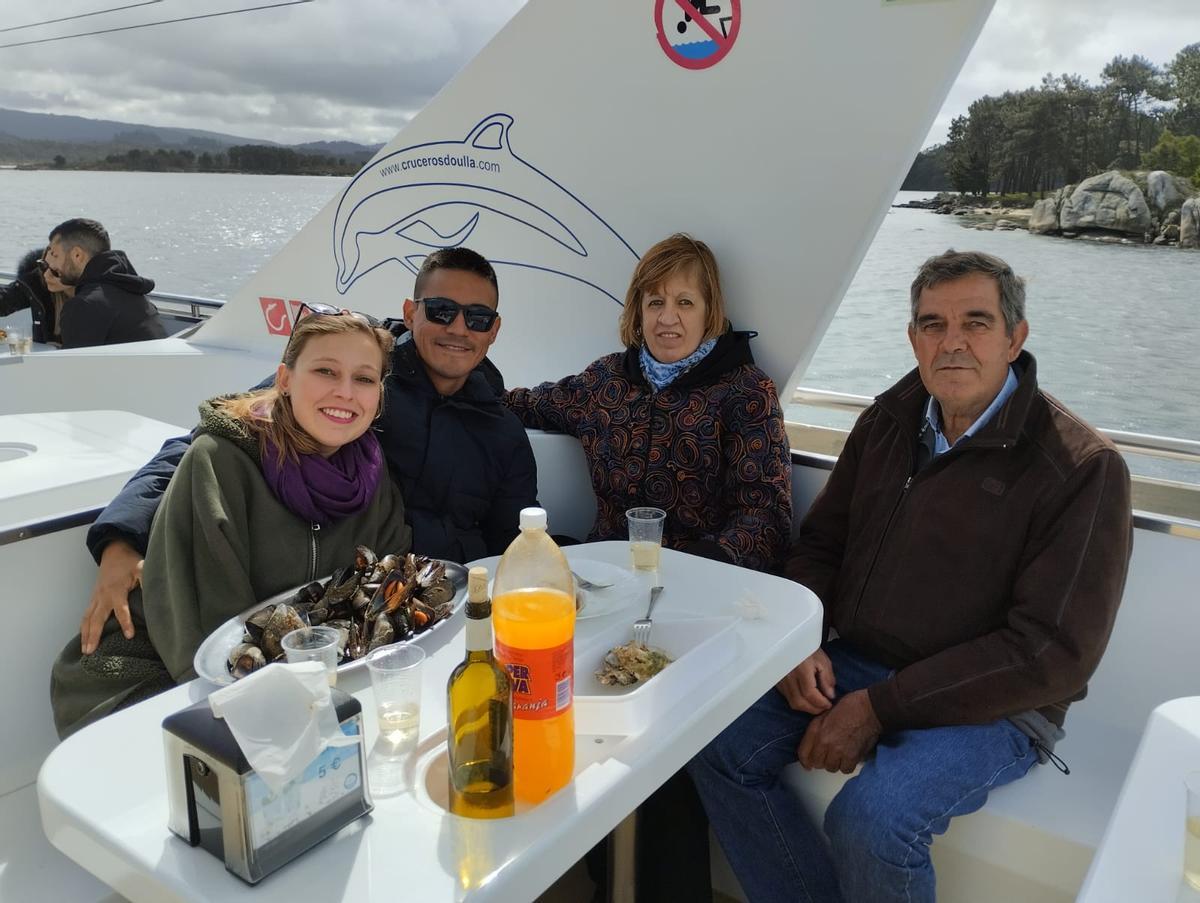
(341, 586)
(364, 558)
(343, 628)
(244, 659)
(441, 593)
(403, 624)
(309, 594)
(394, 592)
(283, 621)
(257, 622)
(431, 572)
(382, 632)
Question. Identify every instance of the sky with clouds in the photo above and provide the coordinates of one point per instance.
(359, 69)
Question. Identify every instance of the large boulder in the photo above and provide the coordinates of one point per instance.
(1189, 223)
(1164, 191)
(1107, 201)
(1044, 218)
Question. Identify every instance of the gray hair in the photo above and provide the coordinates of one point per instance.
(957, 264)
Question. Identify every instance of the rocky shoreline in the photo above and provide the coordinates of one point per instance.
(1154, 207)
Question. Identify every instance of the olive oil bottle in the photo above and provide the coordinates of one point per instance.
(479, 706)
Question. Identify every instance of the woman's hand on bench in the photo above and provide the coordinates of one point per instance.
(120, 572)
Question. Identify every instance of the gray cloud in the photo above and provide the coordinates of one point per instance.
(359, 69)
(331, 69)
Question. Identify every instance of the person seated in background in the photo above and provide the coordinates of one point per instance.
(110, 304)
(265, 472)
(681, 419)
(970, 548)
(39, 290)
(464, 463)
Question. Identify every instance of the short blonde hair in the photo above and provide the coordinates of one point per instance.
(677, 252)
(267, 413)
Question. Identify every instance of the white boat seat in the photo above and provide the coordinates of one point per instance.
(1035, 839)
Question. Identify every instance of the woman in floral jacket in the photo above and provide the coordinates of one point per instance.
(681, 420)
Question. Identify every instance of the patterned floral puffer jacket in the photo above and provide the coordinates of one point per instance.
(710, 449)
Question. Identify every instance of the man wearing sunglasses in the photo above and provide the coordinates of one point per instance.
(462, 460)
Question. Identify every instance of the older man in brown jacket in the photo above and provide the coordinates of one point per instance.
(970, 548)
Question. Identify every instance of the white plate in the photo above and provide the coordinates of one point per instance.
(626, 589)
(211, 657)
(700, 647)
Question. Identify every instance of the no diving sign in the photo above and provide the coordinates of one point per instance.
(696, 34)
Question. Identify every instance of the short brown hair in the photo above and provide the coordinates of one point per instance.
(268, 413)
(679, 251)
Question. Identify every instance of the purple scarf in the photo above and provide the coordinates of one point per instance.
(326, 490)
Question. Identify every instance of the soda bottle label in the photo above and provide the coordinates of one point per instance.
(541, 679)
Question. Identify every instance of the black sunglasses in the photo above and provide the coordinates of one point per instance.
(43, 266)
(443, 311)
(314, 308)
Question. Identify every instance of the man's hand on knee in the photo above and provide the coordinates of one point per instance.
(838, 740)
(809, 687)
(120, 572)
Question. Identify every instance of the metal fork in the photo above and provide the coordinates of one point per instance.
(584, 583)
(641, 627)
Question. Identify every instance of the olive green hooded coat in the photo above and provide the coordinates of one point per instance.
(221, 542)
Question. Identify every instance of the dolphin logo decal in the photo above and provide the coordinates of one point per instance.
(421, 198)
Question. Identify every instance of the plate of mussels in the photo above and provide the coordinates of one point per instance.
(372, 602)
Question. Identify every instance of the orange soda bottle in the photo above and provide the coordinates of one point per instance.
(533, 613)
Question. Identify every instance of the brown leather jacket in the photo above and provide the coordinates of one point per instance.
(991, 579)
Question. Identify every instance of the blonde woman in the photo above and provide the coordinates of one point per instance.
(277, 489)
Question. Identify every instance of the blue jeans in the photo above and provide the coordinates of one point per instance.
(877, 831)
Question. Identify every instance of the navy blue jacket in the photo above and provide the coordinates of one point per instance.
(463, 463)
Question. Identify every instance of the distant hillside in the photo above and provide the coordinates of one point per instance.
(33, 138)
(337, 149)
(78, 130)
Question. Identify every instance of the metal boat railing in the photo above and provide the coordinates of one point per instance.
(186, 307)
(1159, 503)
(1170, 499)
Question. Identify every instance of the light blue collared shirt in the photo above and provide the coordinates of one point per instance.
(933, 415)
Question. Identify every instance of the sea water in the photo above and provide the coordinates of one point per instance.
(1113, 327)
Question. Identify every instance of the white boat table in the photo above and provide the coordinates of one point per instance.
(1141, 855)
(104, 801)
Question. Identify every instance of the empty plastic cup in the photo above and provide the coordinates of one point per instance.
(314, 644)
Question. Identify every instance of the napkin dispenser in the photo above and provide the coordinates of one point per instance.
(218, 802)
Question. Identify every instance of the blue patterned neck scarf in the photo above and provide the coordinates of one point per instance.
(661, 375)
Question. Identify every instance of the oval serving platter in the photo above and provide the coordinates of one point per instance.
(210, 659)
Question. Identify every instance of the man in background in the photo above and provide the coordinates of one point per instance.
(110, 304)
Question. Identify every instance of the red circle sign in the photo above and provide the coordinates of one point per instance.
(696, 34)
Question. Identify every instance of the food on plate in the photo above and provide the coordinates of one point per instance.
(371, 603)
(630, 663)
